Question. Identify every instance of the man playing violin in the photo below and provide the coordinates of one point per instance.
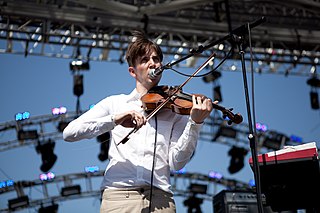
(137, 178)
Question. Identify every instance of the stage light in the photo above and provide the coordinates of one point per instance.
(212, 76)
(27, 135)
(71, 190)
(216, 175)
(46, 148)
(225, 131)
(49, 209)
(104, 140)
(198, 188)
(314, 82)
(261, 127)
(295, 138)
(47, 177)
(274, 140)
(19, 202)
(314, 99)
(62, 125)
(194, 204)
(181, 171)
(7, 183)
(237, 159)
(252, 183)
(159, 41)
(192, 61)
(59, 110)
(22, 116)
(217, 96)
(91, 169)
(78, 85)
(78, 65)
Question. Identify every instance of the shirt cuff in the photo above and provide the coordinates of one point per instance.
(194, 123)
(112, 120)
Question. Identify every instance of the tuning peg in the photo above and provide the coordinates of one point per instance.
(230, 109)
(229, 122)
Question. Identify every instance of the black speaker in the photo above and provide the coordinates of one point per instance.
(239, 202)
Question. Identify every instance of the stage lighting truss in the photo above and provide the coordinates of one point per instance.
(102, 37)
(30, 131)
(84, 188)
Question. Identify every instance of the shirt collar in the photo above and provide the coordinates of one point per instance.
(134, 95)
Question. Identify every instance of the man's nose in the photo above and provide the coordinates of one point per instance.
(152, 63)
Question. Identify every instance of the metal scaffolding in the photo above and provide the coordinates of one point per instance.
(100, 30)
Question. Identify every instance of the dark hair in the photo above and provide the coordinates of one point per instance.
(140, 46)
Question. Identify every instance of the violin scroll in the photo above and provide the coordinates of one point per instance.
(235, 118)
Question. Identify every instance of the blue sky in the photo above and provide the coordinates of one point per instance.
(37, 84)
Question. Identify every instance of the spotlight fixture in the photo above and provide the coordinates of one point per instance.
(22, 116)
(314, 82)
(59, 110)
(314, 99)
(217, 96)
(49, 209)
(78, 65)
(27, 135)
(194, 204)
(104, 140)
(212, 76)
(19, 202)
(196, 188)
(274, 140)
(62, 125)
(71, 190)
(47, 177)
(48, 157)
(237, 159)
(91, 169)
(225, 131)
(78, 85)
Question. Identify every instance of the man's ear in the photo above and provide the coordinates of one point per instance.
(132, 71)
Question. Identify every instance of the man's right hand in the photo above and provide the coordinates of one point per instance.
(130, 119)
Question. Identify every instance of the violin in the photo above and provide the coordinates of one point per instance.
(180, 102)
(172, 97)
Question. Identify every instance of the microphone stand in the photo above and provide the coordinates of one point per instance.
(239, 41)
(237, 36)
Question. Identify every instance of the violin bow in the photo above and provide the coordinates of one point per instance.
(160, 106)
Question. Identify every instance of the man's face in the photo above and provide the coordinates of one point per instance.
(143, 66)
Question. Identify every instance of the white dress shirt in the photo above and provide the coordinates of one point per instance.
(130, 164)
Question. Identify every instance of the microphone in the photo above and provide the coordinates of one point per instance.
(154, 73)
